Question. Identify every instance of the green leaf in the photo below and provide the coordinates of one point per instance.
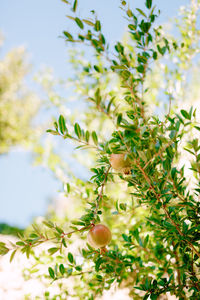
(64, 243)
(70, 257)
(125, 237)
(68, 187)
(12, 255)
(119, 118)
(180, 119)
(62, 126)
(20, 243)
(78, 223)
(65, 1)
(77, 130)
(88, 22)
(129, 13)
(190, 112)
(28, 250)
(78, 268)
(147, 283)
(68, 35)
(173, 172)
(52, 132)
(123, 206)
(136, 234)
(141, 12)
(33, 236)
(140, 69)
(98, 97)
(172, 134)
(109, 104)
(51, 272)
(79, 23)
(191, 152)
(59, 230)
(185, 114)
(155, 55)
(161, 50)
(87, 136)
(167, 164)
(146, 240)
(48, 224)
(71, 18)
(97, 25)
(94, 137)
(197, 127)
(75, 5)
(62, 269)
(53, 250)
(98, 263)
(116, 205)
(148, 3)
(3, 249)
(132, 27)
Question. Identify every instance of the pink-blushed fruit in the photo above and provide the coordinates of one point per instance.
(120, 162)
(99, 236)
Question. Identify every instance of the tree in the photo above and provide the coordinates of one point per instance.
(18, 105)
(151, 209)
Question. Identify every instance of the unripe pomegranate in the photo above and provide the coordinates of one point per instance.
(99, 236)
(120, 163)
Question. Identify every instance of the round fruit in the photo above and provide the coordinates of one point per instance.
(120, 163)
(99, 236)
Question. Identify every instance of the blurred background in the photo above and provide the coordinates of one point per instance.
(34, 68)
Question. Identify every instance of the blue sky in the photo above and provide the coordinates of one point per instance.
(37, 24)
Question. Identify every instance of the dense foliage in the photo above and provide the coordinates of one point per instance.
(153, 208)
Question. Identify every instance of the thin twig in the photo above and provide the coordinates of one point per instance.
(100, 195)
